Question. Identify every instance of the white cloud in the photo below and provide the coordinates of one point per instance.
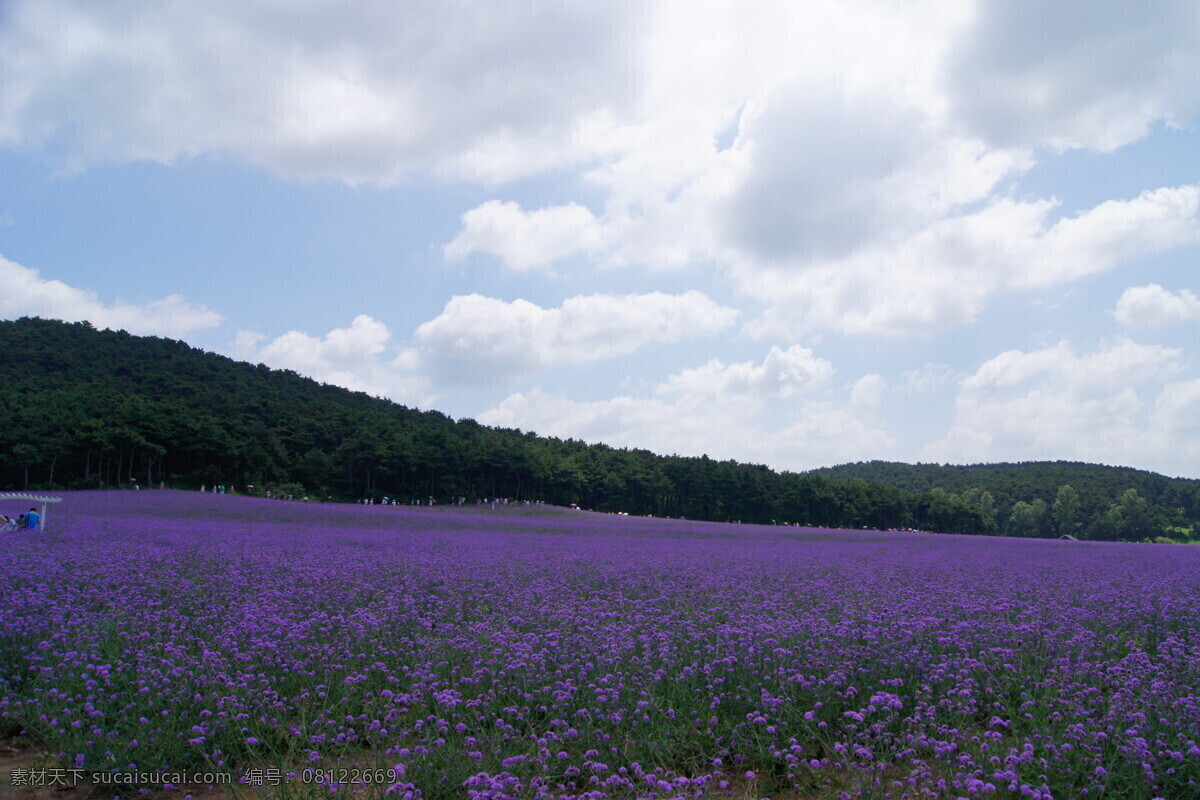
(929, 378)
(1113, 231)
(943, 275)
(783, 373)
(525, 239)
(1060, 403)
(1074, 73)
(859, 193)
(849, 164)
(779, 411)
(307, 90)
(360, 357)
(1153, 306)
(478, 338)
(828, 172)
(496, 91)
(1175, 422)
(867, 391)
(26, 293)
(877, 207)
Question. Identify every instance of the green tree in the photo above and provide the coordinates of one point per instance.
(984, 502)
(1041, 516)
(1066, 511)
(89, 408)
(1025, 519)
(1138, 517)
(25, 456)
(1108, 526)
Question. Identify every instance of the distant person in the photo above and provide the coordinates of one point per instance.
(32, 519)
(20, 522)
(7, 523)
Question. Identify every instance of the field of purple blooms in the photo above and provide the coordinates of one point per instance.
(537, 653)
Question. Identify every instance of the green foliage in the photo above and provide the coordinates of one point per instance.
(985, 503)
(1139, 519)
(90, 408)
(93, 408)
(1089, 500)
(1108, 526)
(1023, 520)
(1066, 511)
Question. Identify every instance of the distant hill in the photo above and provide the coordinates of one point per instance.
(86, 408)
(1174, 503)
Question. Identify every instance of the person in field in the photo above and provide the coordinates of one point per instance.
(32, 519)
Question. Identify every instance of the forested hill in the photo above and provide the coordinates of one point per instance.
(91, 408)
(1029, 498)
(82, 408)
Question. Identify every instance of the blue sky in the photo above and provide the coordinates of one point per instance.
(793, 234)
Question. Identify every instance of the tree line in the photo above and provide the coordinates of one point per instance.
(90, 408)
(1050, 499)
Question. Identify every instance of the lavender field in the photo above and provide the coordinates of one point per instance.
(537, 653)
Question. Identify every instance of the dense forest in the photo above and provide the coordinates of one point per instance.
(1052, 498)
(85, 408)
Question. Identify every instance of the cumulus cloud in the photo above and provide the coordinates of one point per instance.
(944, 274)
(867, 391)
(1175, 422)
(525, 239)
(477, 337)
(881, 206)
(1074, 73)
(778, 411)
(850, 165)
(26, 293)
(502, 90)
(1060, 403)
(828, 172)
(1153, 306)
(884, 206)
(817, 159)
(310, 91)
(783, 373)
(361, 357)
